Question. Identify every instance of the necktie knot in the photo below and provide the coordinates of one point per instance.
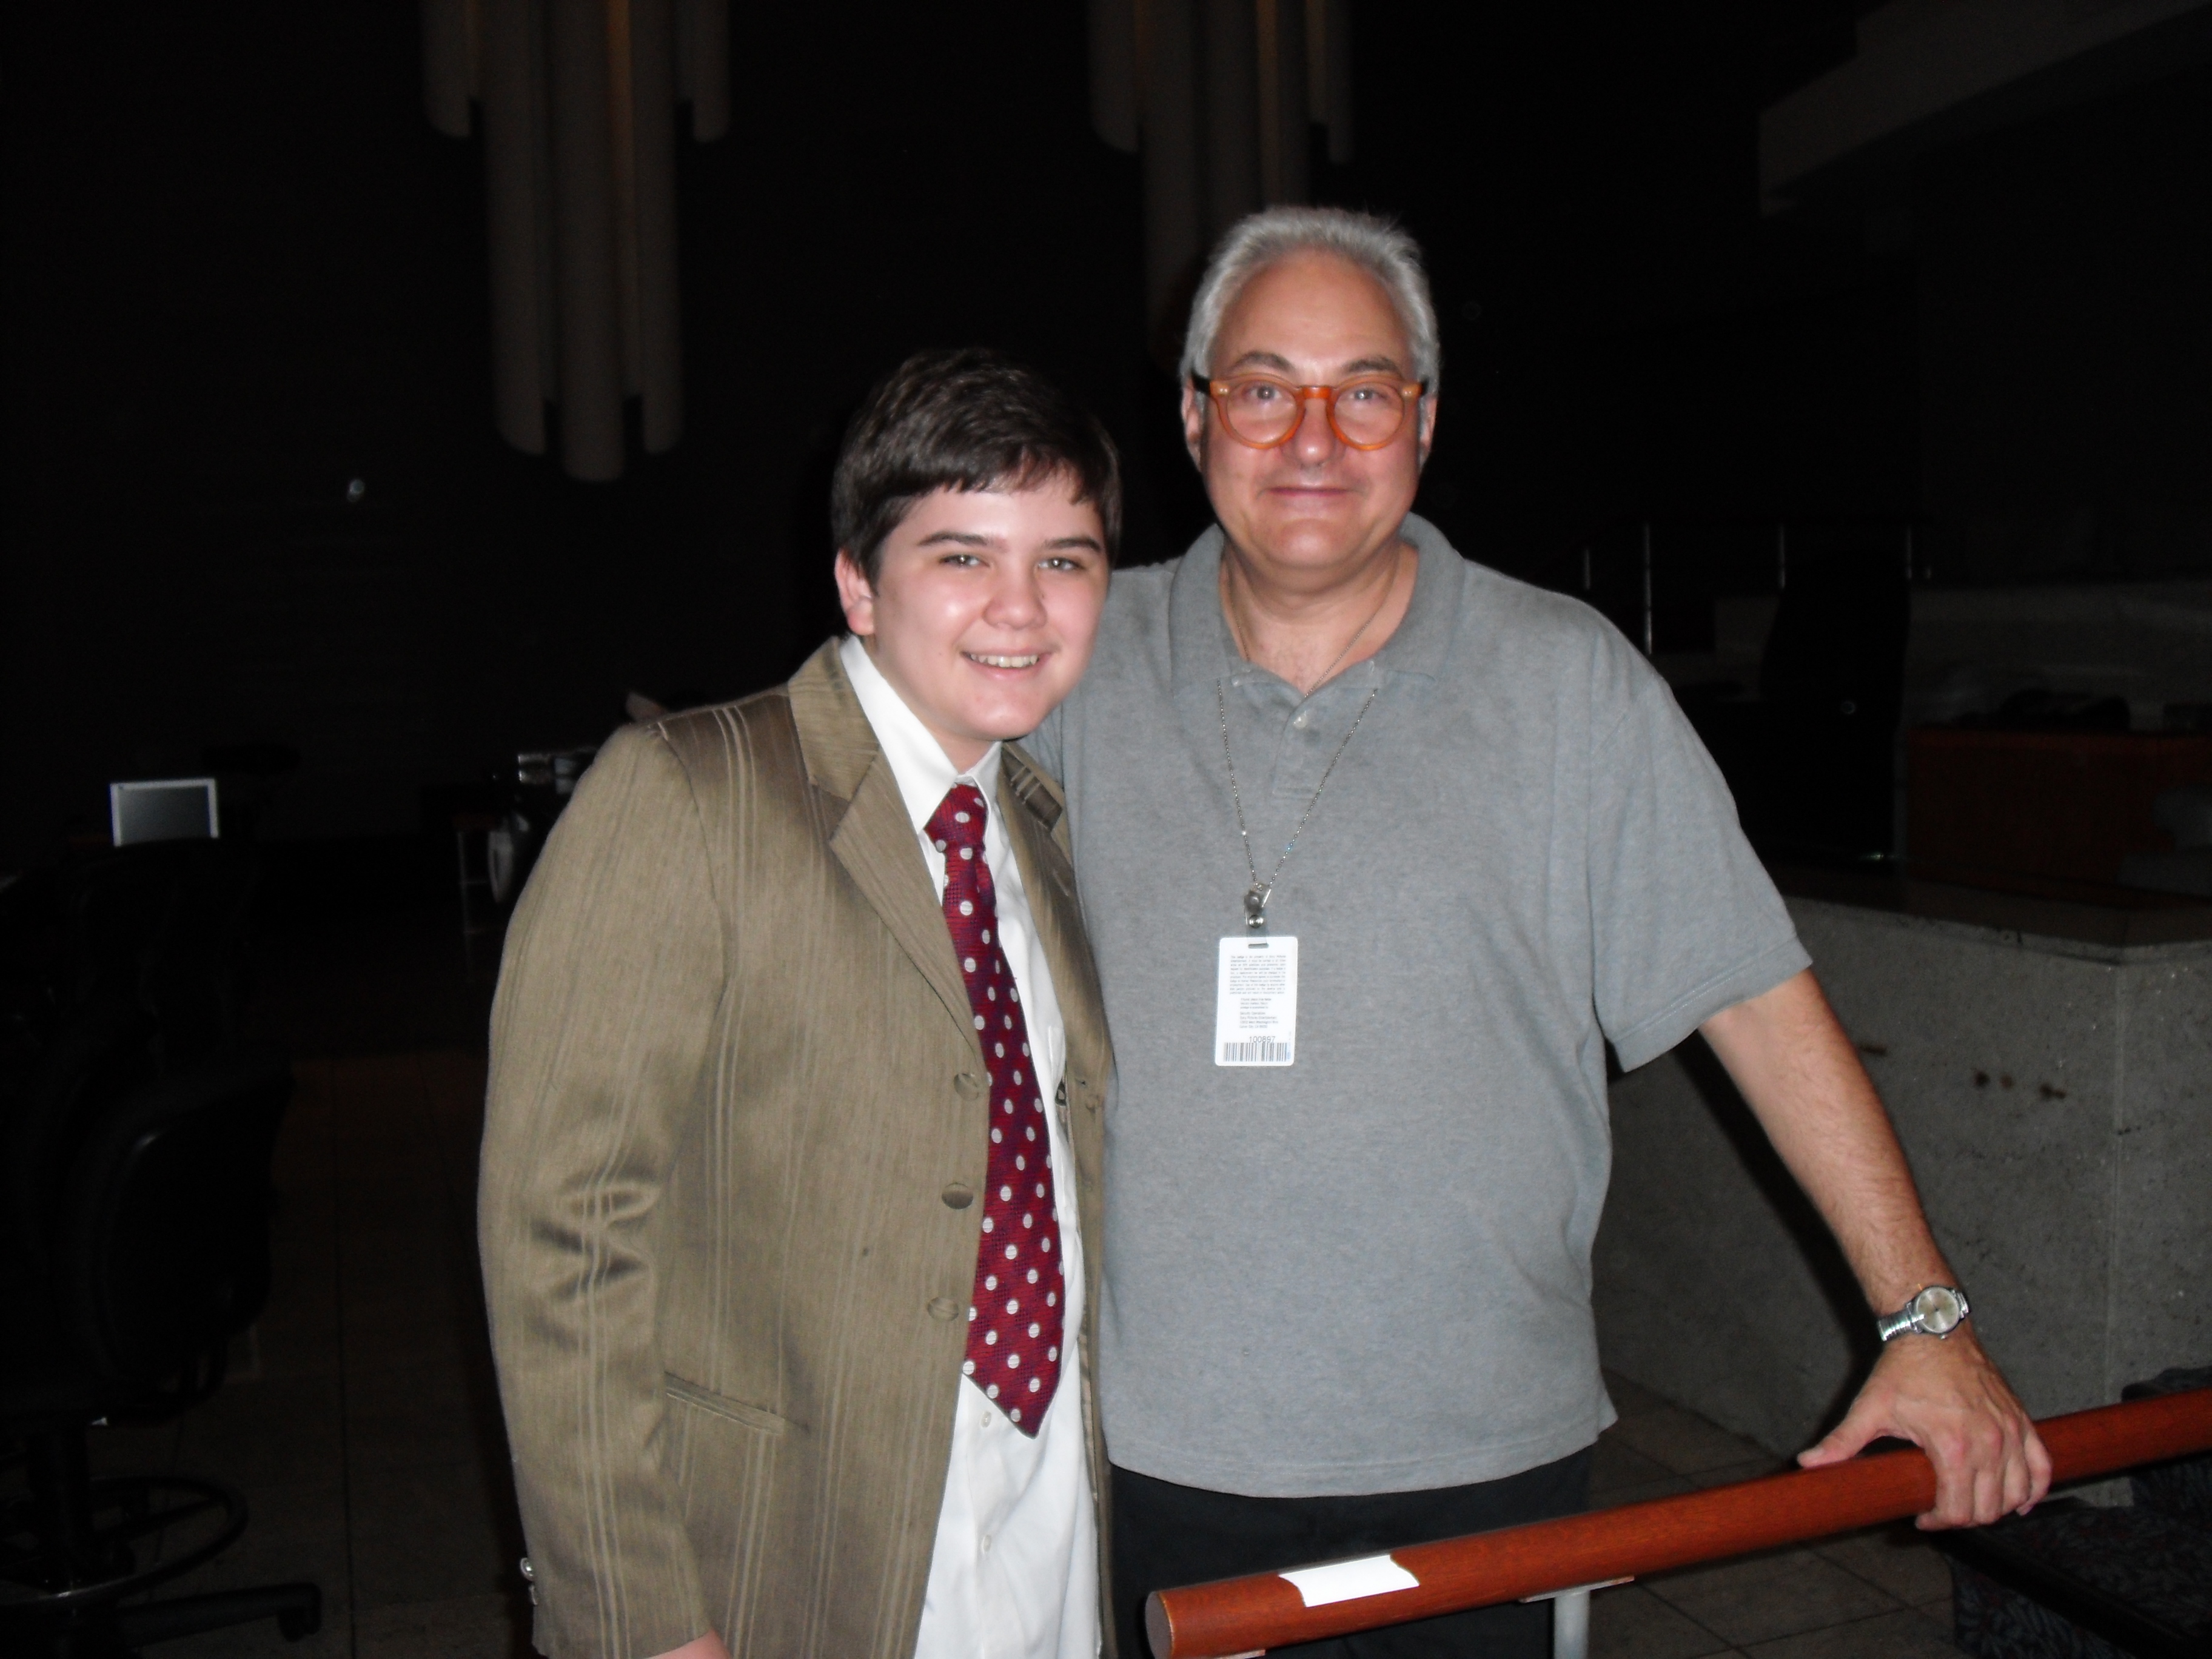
(958, 820)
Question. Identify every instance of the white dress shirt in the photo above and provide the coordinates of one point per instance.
(1015, 1572)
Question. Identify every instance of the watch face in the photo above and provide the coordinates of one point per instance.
(1937, 1309)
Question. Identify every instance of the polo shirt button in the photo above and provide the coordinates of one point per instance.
(957, 1195)
(1298, 720)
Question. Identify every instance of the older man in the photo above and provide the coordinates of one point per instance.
(1378, 849)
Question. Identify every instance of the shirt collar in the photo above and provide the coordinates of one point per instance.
(1204, 651)
(918, 762)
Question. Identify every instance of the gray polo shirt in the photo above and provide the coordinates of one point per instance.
(1370, 1271)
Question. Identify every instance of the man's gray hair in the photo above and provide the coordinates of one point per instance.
(1376, 246)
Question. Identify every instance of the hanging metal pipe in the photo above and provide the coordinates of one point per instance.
(659, 372)
(1175, 230)
(515, 220)
(1230, 50)
(703, 30)
(1285, 144)
(1113, 43)
(1328, 42)
(1648, 619)
(448, 65)
(587, 322)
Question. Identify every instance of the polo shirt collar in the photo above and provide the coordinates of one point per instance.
(1204, 651)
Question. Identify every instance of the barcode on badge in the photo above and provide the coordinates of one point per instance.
(1260, 1051)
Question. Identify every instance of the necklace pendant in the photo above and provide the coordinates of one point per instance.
(1255, 906)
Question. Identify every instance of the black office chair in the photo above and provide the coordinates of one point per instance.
(160, 929)
(152, 1254)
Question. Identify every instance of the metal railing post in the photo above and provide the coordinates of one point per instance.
(1571, 1624)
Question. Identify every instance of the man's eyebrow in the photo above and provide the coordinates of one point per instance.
(1383, 365)
(1090, 542)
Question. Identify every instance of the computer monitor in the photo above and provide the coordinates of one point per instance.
(163, 809)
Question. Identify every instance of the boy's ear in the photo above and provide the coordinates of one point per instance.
(853, 593)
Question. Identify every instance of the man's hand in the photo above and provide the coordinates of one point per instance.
(1801, 1076)
(1948, 1399)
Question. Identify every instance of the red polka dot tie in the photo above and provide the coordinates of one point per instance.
(1014, 1314)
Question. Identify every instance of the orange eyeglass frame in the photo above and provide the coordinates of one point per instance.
(1214, 391)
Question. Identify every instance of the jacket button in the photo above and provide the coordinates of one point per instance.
(967, 1083)
(944, 1307)
(957, 1196)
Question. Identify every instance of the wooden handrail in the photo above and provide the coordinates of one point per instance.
(1237, 1616)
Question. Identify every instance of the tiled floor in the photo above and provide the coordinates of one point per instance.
(364, 1429)
(1882, 1593)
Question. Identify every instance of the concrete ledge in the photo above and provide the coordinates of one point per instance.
(2054, 1098)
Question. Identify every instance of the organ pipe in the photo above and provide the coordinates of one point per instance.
(578, 111)
(1218, 99)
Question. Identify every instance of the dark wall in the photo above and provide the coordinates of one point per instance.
(241, 270)
(1626, 335)
(2066, 338)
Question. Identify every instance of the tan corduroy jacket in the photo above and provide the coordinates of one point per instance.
(735, 1120)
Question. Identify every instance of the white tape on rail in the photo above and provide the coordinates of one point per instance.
(1348, 1581)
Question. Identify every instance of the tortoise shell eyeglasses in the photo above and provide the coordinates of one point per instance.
(1263, 410)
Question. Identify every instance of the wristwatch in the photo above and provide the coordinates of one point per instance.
(1936, 1312)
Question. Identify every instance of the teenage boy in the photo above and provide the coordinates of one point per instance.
(791, 1172)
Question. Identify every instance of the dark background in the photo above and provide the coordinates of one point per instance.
(241, 270)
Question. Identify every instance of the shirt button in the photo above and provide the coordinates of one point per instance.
(987, 1543)
(1299, 721)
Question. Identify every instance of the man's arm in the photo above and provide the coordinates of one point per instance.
(1793, 1063)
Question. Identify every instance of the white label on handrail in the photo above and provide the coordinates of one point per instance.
(1347, 1581)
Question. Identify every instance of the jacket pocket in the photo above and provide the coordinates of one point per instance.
(721, 1404)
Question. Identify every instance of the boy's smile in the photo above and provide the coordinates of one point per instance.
(983, 610)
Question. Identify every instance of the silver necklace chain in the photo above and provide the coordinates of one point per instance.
(1257, 895)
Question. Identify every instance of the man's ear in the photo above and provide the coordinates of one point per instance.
(1428, 427)
(855, 595)
(1194, 425)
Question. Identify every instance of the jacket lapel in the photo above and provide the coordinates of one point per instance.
(872, 836)
(1030, 808)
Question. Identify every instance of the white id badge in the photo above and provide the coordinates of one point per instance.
(1255, 1005)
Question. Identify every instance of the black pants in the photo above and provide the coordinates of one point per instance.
(1165, 1535)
